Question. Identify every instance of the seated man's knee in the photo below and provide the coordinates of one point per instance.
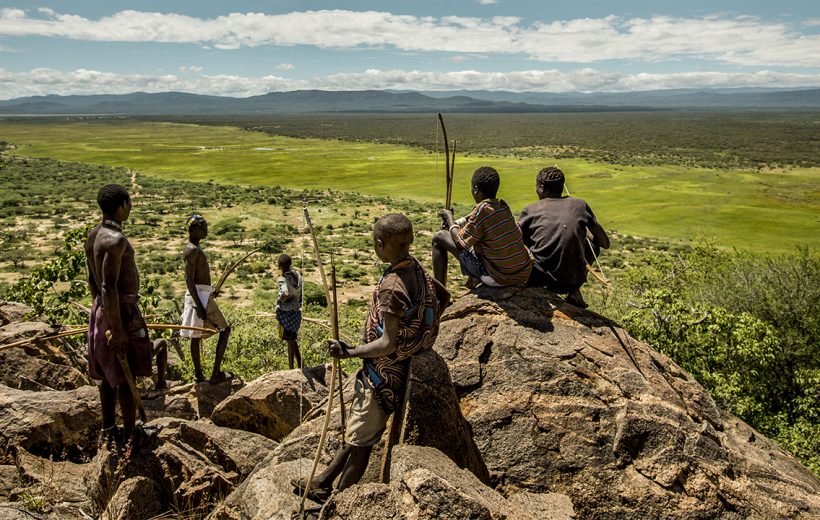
(439, 238)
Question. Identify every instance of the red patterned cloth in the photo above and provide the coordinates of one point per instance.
(102, 362)
(405, 290)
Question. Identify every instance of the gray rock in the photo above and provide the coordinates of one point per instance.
(60, 481)
(9, 480)
(19, 330)
(266, 494)
(13, 311)
(189, 401)
(188, 465)
(363, 502)
(433, 417)
(426, 484)
(19, 369)
(58, 424)
(563, 400)
(134, 498)
(271, 404)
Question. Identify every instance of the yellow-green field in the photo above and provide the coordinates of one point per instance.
(762, 211)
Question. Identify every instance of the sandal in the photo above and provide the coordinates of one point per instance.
(575, 298)
(221, 377)
(315, 494)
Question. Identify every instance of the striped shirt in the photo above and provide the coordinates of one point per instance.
(491, 230)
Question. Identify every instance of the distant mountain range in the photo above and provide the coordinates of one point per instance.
(306, 101)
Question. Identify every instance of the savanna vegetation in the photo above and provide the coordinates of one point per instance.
(746, 208)
(678, 192)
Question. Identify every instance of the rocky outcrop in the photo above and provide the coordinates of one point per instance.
(266, 494)
(271, 405)
(61, 482)
(134, 498)
(563, 400)
(189, 401)
(433, 417)
(40, 365)
(50, 424)
(19, 369)
(426, 484)
(13, 312)
(188, 465)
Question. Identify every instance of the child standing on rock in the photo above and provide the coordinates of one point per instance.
(403, 320)
(289, 309)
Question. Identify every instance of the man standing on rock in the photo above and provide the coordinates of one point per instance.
(116, 327)
(200, 306)
(403, 320)
(562, 235)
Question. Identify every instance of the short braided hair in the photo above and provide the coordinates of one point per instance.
(486, 180)
(551, 179)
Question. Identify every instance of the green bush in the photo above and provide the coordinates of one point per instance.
(313, 294)
(744, 326)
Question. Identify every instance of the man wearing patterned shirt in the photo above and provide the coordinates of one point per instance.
(489, 247)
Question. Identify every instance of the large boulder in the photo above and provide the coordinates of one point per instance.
(19, 369)
(266, 494)
(426, 484)
(60, 482)
(190, 401)
(188, 465)
(433, 417)
(563, 400)
(275, 403)
(50, 424)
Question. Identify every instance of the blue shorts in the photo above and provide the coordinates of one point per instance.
(471, 264)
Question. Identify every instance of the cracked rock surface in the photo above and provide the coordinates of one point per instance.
(563, 400)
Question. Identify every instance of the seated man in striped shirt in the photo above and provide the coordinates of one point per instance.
(489, 247)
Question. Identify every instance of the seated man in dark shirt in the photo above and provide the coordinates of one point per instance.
(562, 235)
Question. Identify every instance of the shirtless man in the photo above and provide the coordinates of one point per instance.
(200, 306)
(116, 325)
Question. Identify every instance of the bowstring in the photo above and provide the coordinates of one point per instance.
(591, 247)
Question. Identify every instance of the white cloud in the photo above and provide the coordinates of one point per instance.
(487, 2)
(191, 68)
(740, 40)
(461, 58)
(4, 48)
(44, 81)
(285, 66)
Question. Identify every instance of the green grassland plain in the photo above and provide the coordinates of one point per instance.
(764, 211)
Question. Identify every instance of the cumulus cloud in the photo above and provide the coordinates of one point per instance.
(739, 40)
(44, 81)
(285, 66)
(191, 68)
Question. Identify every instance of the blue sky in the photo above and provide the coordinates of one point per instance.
(244, 48)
